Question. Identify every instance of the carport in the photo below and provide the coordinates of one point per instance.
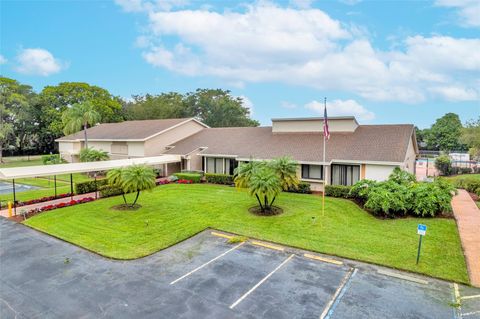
(14, 173)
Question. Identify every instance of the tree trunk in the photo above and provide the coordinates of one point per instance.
(136, 197)
(1, 151)
(85, 134)
(260, 203)
(124, 199)
(265, 201)
(271, 204)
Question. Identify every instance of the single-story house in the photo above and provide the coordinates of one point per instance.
(353, 151)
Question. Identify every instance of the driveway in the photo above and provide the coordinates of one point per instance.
(205, 277)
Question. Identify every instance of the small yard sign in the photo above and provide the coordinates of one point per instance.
(421, 229)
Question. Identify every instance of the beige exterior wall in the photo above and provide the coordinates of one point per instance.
(69, 150)
(195, 162)
(157, 144)
(347, 125)
(378, 172)
(136, 149)
(102, 146)
(409, 164)
(315, 186)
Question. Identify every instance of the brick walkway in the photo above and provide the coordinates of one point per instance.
(4, 212)
(467, 215)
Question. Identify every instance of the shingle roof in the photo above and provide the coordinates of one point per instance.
(384, 143)
(128, 130)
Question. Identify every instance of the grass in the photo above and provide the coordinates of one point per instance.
(465, 176)
(172, 213)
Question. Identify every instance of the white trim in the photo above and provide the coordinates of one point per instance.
(218, 155)
(206, 264)
(320, 181)
(261, 282)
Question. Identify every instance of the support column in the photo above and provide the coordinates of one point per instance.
(96, 187)
(71, 186)
(14, 198)
(55, 185)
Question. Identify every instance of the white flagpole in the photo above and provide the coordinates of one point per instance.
(324, 171)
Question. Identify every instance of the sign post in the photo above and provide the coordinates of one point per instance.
(421, 231)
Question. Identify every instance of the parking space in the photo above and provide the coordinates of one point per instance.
(204, 276)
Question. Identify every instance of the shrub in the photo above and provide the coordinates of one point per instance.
(194, 177)
(52, 159)
(469, 184)
(108, 191)
(338, 191)
(302, 188)
(89, 186)
(444, 164)
(389, 199)
(461, 170)
(428, 199)
(400, 176)
(223, 179)
(360, 190)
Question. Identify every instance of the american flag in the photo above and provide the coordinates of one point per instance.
(326, 132)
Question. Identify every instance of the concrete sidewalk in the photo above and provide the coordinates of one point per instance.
(4, 212)
(467, 215)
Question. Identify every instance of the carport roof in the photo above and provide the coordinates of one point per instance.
(58, 169)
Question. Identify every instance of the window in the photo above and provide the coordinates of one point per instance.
(215, 165)
(345, 174)
(312, 171)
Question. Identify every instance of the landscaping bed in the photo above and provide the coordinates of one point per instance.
(174, 212)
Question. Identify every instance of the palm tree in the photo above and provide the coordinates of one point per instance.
(245, 171)
(93, 155)
(79, 116)
(137, 178)
(265, 185)
(114, 177)
(286, 169)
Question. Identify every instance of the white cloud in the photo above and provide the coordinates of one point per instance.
(269, 43)
(38, 62)
(3, 60)
(456, 93)
(342, 108)
(468, 11)
(145, 5)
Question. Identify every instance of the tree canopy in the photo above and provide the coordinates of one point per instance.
(30, 121)
(443, 135)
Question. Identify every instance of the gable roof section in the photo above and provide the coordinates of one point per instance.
(128, 130)
(372, 143)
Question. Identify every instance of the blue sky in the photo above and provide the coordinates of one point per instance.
(382, 61)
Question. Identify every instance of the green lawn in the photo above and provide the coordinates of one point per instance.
(465, 176)
(172, 213)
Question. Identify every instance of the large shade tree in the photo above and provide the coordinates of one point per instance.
(79, 117)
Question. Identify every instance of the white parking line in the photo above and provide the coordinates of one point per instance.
(261, 282)
(343, 286)
(205, 264)
(470, 297)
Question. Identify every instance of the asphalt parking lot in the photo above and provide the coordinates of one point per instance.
(206, 277)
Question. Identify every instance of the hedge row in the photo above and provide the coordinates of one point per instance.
(223, 179)
(194, 177)
(89, 186)
(302, 188)
(338, 191)
(470, 184)
(108, 191)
